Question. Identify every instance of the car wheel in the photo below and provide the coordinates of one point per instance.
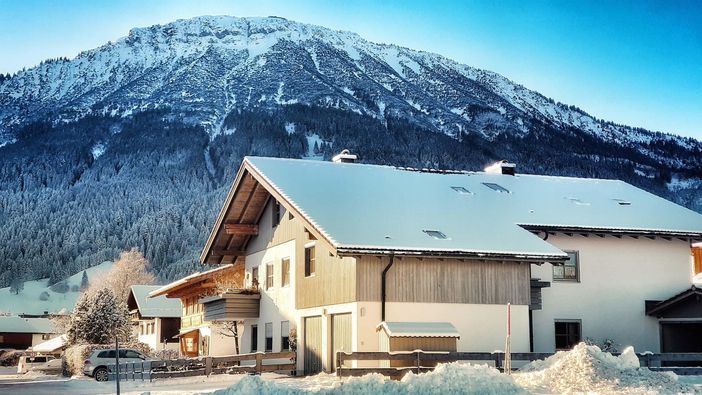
(100, 374)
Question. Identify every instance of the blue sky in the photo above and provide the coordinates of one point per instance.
(632, 62)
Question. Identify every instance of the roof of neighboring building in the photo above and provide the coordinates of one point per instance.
(658, 308)
(188, 281)
(15, 324)
(419, 329)
(51, 345)
(158, 307)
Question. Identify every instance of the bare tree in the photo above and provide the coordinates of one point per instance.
(130, 269)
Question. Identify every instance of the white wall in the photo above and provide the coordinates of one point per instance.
(37, 338)
(616, 276)
(153, 340)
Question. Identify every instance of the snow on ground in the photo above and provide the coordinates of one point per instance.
(28, 300)
(586, 369)
(313, 139)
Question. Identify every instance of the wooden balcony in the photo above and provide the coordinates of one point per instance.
(191, 320)
(232, 305)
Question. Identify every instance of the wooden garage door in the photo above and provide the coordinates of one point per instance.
(341, 335)
(313, 345)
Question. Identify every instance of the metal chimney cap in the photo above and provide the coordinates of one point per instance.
(345, 156)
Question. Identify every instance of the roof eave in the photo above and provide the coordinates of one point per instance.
(616, 231)
(452, 254)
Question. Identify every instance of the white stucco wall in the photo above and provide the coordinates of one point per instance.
(152, 340)
(616, 276)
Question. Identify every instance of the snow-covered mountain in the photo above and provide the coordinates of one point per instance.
(135, 143)
(208, 66)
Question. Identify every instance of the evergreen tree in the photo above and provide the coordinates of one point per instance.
(84, 283)
(98, 318)
(16, 285)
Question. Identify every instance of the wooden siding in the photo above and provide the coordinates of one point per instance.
(232, 307)
(697, 257)
(436, 280)
(334, 279)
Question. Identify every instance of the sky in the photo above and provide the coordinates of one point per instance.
(632, 62)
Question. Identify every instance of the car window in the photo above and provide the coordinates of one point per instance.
(131, 354)
(107, 354)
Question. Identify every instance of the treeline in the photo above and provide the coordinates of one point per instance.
(157, 182)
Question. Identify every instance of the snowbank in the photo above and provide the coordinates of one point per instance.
(588, 369)
(451, 378)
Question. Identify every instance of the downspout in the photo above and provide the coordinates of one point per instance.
(383, 287)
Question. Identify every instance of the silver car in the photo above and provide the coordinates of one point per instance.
(98, 363)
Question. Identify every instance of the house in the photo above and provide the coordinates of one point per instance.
(197, 335)
(338, 248)
(21, 333)
(156, 320)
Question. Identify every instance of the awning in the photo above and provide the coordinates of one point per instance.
(419, 329)
(661, 309)
(204, 331)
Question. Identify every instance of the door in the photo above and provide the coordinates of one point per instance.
(341, 335)
(313, 345)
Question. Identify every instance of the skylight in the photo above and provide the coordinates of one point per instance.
(496, 187)
(462, 190)
(622, 202)
(577, 201)
(435, 234)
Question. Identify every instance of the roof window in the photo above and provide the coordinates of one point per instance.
(462, 190)
(577, 201)
(435, 234)
(622, 202)
(496, 187)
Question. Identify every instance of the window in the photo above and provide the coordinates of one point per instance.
(254, 338)
(568, 334)
(569, 271)
(130, 354)
(275, 220)
(309, 261)
(254, 277)
(462, 190)
(285, 280)
(45, 336)
(269, 336)
(496, 187)
(269, 276)
(285, 336)
(435, 234)
(2, 338)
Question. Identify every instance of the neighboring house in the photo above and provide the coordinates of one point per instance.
(52, 346)
(21, 333)
(337, 249)
(156, 320)
(197, 336)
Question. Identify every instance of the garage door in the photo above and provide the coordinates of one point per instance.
(313, 345)
(341, 335)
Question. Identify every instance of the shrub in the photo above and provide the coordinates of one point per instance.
(44, 296)
(10, 357)
(60, 287)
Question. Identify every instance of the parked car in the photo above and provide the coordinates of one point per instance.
(98, 363)
(41, 363)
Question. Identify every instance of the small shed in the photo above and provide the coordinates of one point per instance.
(410, 336)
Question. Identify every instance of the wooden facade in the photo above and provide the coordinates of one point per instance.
(440, 280)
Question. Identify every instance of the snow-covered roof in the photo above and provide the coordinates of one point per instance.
(51, 345)
(15, 324)
(384, 208)
(419, 329)
(159, 306)
(195, 277)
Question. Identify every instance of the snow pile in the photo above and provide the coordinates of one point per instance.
(451, 378)
(590, 370)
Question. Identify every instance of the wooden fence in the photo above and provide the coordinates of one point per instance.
(422, 361)
(204, 366)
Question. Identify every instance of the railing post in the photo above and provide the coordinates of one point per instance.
(259, 362)
(338, 363)
(208, 366)
(418, 362)
(498, 360)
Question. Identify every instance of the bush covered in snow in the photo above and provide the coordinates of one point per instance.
(587, 369)
(9, 357)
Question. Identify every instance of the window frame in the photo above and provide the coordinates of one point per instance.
(254, 277)
(275, 214)
(497, 187)
(565, 279)
(268, 340)
(310, 261)
(285, 272)
(577, 322)
(254, 337)
(270, 275)
(284, 336)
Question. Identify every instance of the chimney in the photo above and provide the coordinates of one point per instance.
(345, 156)
(501, 167)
